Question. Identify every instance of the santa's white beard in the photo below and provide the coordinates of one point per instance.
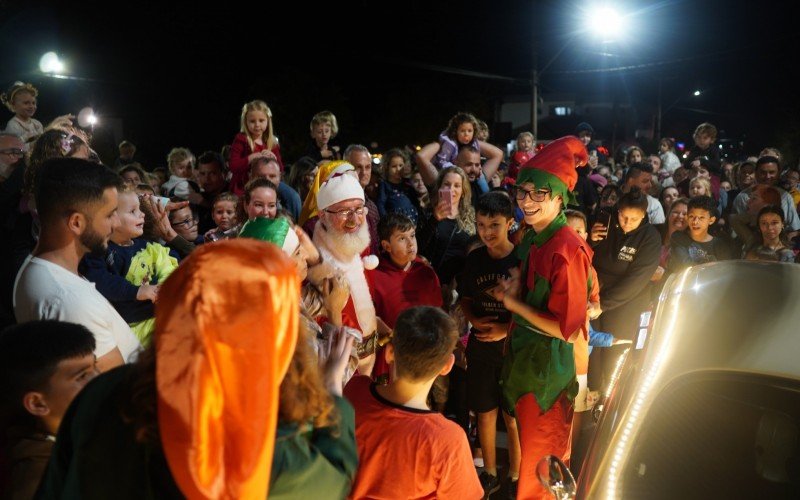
(344, 246)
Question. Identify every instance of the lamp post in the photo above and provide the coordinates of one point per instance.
(661, 113)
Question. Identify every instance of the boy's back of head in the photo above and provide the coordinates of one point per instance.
(30, 354)
(423, 342)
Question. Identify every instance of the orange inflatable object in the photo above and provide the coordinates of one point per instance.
(226, 328)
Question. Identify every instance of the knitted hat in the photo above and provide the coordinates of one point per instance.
(219, 365)
(278, 231)
(325, 171)
(339, 188)
(554, 167)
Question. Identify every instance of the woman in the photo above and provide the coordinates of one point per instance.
(676, 221)
(609, 197)
(668, 196)
(626, 255)
(770, 240)
(301, 176)
(444, 233)
(221, 404)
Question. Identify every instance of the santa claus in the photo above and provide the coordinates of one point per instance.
(342, 237)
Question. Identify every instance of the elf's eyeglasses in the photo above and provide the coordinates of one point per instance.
(535, 195)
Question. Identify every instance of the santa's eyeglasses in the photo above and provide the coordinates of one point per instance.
(347, 213)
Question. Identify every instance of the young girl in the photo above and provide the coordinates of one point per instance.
(525, 150)
(181, 164)
(699, 186)
(132, 269)
(223, 211)
(460, 132)
(634, 155)
(394, 194)
(21, 100)
(324, 128)
(255, 139)
(771, 242)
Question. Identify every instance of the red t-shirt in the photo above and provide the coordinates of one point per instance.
(408, 453)
(395, 290)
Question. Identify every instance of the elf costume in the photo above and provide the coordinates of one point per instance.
(540, 372)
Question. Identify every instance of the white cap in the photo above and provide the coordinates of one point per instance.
(339, 188)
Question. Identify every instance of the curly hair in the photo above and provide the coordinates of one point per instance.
(53, 143)
(457, 120)
(303, 397)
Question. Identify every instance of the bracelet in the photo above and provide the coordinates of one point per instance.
(367, 347)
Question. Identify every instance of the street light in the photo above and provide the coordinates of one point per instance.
(51, 64)
(605, 16)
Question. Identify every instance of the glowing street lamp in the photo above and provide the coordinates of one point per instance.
(51, 64)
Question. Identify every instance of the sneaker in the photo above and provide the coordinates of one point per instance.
(490, 483)
(512, 490)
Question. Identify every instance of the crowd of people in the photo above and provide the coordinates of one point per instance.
(239, 325)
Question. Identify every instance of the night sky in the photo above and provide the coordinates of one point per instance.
(177, 75)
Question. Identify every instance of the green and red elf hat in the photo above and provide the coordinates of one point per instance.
(554, 168)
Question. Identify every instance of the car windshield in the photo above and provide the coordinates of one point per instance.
(719, 435)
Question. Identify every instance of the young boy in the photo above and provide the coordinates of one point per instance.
(43, 366)
(324, 129)
(129, 273)
(695, 245)
(401, 280)
(405, 450)
(477, 289)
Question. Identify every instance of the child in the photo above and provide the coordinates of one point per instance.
(126, 152)
(181, 164)
(324, 128)
(223, 212)
(490, 322)
(43, 366)
(394, 194)
(21, 100)
(460, 132)
(256, 138)
(402, 279)
(129, 273)
(699, 186)
(184, 222)
(704, 149)
(526, 148)
(695, 245)
(405, 450)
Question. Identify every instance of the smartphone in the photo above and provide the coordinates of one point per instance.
(605, 217)
(446, 195)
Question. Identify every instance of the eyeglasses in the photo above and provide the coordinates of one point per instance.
(187, 223)
(12, 152)
(346, 214)
(535, 195)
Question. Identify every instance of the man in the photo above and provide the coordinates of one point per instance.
(547, 356)
(341, 235)
(768, 173)
(77, 204)
(469, 160)
(494, 156)
(210, 175)
(360, 158)
(641, 176)
(43, 366)
(269, 168)
(12, 152)
(585, 192)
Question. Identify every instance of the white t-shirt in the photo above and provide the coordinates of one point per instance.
(44, 290)
(655, 212)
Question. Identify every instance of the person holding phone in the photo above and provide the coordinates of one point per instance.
(443, 234)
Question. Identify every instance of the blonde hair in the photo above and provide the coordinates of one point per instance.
(322, 118)
(268, 137)
(525, 134)
(466, 213)
(225, 197)
(7, 98)
(705, 182)
(177, 155)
